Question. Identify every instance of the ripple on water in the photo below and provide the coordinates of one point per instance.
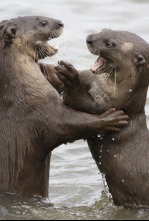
(75, 183)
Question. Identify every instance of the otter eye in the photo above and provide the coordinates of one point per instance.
(108, 44)
(139, 60)
(44, 23)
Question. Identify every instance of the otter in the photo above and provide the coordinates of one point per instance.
(50, 74)
(33, 119)
(120, 79)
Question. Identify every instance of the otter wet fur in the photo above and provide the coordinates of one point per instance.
(119, 78)
(33, 118)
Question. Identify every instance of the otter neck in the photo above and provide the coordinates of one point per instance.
(20, 77)
(14, 65)
(135, 103)
(135, 108)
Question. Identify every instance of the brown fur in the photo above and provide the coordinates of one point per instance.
(33, 119)
(122, 83)
(50, 74)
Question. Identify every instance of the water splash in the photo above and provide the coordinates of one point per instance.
(107, 192)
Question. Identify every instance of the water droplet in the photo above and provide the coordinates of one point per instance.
(100, 163)
(101, 149)
(108, 151)
(62, 95)
(130, 90)
(100, 157)
(99, 136)
(115, 156)
(113, 138)
(123, 181)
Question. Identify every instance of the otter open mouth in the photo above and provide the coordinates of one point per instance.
(44, 49)
(99, 64)
(53, 49)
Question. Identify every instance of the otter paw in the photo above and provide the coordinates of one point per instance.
(67, 74)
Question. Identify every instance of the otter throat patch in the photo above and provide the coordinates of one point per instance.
(127, 46)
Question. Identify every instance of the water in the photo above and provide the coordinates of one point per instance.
(75, 184)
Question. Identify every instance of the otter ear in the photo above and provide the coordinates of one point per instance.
(139, 60)
(9, 34)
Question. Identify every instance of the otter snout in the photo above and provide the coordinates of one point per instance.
(61, 24)
(58, 25)
(91, 39)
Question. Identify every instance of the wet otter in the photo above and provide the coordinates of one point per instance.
(33, 118)
(50, 74)
(119, 78)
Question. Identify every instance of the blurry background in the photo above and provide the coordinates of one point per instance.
(75, 183)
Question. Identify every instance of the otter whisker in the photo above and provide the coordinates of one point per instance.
(35, 54)
(107, 77)
(108, 69)
(55, 34)
(38, 53)
(42, 54)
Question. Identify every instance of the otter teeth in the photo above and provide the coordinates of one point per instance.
(57, 46)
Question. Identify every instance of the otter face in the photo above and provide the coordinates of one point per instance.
(115, 49)
(122, 67)
(31, 34)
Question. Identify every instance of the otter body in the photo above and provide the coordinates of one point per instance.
(33, 119)
(119, 78)
(123, 159)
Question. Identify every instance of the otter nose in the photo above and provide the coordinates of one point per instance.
(89, 40)
(61, 24)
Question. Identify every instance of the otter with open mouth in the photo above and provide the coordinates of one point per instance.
(119, 78)
(33, 118)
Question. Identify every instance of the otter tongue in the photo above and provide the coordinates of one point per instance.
(97, 65)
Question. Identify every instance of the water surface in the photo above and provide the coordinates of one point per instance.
(75, 184)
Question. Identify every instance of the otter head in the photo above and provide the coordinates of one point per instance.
(122, 68)
(30, 35)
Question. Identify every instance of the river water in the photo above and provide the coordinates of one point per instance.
(76, 187)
